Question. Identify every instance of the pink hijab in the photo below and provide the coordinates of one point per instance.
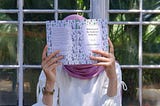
(82, 71)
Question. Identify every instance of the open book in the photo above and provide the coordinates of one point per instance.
(76, 38)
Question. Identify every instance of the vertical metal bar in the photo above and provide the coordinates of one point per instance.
(99, 9)
(56, 9)
(90, 9)
(140, 52)
(91, 1)
(20, 52)
(107, 9)
(107, 14)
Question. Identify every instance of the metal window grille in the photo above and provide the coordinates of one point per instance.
(140, 65)
(98, 9)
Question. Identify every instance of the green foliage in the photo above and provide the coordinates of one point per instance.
(34, 43)
(124, 4)
(149, 78)
(73, 4)
(126, 42)
(124, 37)
(8, 42)
(38, 4)
(8, 4)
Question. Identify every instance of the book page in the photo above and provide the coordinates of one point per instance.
(93, 38)
(75, 39)
(62, 40)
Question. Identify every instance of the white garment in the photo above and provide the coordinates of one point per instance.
(71, 91)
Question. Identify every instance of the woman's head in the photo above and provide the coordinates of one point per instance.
(74, 17)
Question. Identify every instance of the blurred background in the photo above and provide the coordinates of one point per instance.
(134, 28)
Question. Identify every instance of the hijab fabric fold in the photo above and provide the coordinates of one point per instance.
(82, 71)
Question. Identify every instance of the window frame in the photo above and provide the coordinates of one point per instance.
(94, 12)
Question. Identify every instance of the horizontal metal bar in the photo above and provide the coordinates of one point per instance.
(43, 11)
(9, 10)
(129, 66)
(8, 22)
(151, 22)
(123, 11)
(34, 22)
(68, 11)
(73, 11)
(150, 11)
(25, 22)
(122, 66)
(8, 66)
(133, 11)
(110, 22)
(53, 11)
(139, 66)
(134, 23)
(38, 10)
(32, 66)
(151, 66)
(124, 22)
(17, 66)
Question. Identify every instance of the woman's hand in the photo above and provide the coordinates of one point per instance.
(49, 64)
(107, 60)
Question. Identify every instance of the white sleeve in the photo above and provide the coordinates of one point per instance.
(40, 85)
(109, 101)
(39, 102)
(117, 99)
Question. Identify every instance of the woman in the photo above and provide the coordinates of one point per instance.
(58, 88)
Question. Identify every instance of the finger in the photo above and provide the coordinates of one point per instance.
(51, 56)
(54, 66)
(103, 64)
(111, 47)
(52, 61)
(54, 54)
(101, 59)
(51, 68)
(55, 60)
(102, 53)
(44, 52)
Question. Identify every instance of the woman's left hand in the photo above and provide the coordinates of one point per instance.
(107, 59)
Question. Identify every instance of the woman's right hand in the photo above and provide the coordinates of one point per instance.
(49, 64)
